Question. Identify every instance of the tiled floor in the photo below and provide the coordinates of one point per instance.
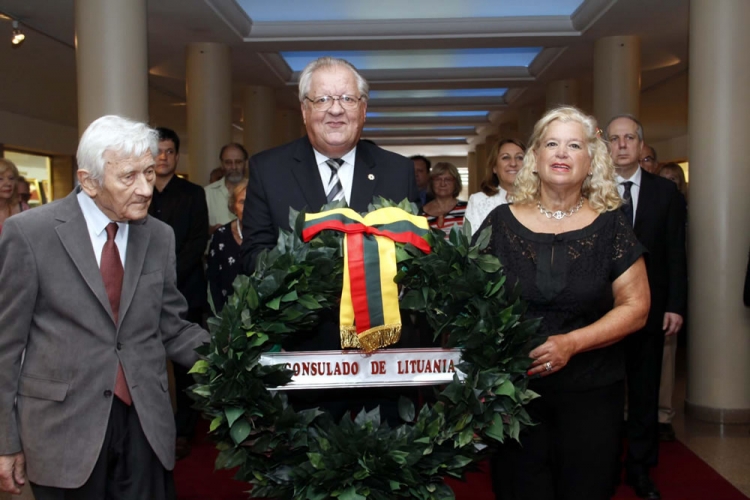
(726, 448)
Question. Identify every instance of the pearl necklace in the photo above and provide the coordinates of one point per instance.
(559, 214)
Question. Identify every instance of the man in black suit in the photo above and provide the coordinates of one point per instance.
(182, 205)
(657, 211)
(330, 163)
(333, 98)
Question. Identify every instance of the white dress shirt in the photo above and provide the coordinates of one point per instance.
(635, 189)
(346, 172)
(97, 222)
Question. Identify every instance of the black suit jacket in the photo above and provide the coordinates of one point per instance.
(660, 227)
(288, 176)
(182, 205)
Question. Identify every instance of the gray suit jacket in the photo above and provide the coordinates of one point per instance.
(55, 406)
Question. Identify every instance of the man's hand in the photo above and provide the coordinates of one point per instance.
(672, 323)
(12, 473)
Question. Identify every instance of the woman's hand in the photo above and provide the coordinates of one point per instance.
(551, 356)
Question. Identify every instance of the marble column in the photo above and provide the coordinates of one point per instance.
(718, 386)
(111, 59)
(209, 106)
(562, 93)
(617, 77)
(259, 111)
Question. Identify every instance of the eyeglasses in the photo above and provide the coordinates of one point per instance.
(648, 159)
(443, 180)
(324, 102)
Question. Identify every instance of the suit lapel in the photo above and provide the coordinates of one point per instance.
(139, 236)
(305, 172)
(364, 181)
(74, 236)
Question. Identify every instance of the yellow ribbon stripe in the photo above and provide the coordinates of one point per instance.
(369, 314)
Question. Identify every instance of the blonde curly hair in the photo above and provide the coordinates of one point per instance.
(600, 188)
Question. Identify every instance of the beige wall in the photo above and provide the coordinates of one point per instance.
(675, 149)
(664, 109)
(22, 132)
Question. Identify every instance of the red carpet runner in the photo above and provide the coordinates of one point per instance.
(681, 475)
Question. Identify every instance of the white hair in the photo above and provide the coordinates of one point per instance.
(118, 135)
(329, 62)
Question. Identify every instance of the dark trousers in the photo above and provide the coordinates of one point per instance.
(571, 454)
(186, 418)
(643, 358)
(127, 467)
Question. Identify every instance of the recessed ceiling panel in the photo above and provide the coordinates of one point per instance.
(422, 59)
(343, 10)
(422, 94)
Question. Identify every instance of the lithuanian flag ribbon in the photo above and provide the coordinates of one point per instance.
(370, 316)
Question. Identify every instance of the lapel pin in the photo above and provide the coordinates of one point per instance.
(371, 177)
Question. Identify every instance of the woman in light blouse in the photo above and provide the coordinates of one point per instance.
(503, 163)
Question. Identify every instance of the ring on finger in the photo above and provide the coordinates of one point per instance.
(548, 366)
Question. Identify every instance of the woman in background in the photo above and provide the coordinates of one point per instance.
(10, 203)
(223, 263)
(674, 173)
(503, 163)
(445, 210)
(580, 270)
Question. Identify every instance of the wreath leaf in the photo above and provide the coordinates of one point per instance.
(459, 289)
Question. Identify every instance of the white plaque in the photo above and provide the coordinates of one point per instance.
(355, 368)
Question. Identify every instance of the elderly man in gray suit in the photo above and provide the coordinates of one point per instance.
(89, 314)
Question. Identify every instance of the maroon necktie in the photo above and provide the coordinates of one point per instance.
(112, 272)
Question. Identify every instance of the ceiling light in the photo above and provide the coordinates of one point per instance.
(18, 36)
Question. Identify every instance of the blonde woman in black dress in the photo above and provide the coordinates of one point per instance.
(580, 269)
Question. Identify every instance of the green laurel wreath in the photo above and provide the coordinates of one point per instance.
(290, 454)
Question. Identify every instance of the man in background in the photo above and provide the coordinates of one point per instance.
(657, 211)
(422, 176)
(648, 159)
(182, 205)
(233, 157)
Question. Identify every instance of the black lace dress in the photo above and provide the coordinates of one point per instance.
(566, 280)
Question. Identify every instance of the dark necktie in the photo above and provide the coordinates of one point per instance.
(112, 273)
(335, 191)
(627, 198)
